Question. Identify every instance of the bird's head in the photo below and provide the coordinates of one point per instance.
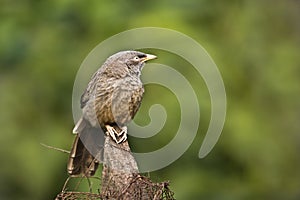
(130, 62)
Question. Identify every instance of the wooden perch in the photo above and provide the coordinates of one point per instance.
(119, 168)
(121, 179)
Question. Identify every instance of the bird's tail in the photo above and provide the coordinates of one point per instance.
(83, 160)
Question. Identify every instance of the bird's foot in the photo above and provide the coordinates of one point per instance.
(115, 134)
(123, 134)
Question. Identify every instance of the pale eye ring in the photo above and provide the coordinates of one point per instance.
(136, 58)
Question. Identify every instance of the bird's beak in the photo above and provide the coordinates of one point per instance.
(149, 57)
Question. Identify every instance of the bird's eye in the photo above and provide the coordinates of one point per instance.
(136, 58)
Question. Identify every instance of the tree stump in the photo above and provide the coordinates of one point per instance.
(119, 169)
(121, 179)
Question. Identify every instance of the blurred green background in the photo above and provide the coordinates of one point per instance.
(255, 44)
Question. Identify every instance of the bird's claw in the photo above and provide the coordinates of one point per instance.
(113, 133)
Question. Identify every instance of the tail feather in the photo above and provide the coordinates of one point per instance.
(84, 160)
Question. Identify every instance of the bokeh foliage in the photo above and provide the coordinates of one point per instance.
(255, 44)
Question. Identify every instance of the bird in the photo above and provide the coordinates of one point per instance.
(110, 101)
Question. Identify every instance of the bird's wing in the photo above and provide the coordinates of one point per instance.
(90, 90)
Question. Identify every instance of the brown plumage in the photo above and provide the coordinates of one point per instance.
(110, 101)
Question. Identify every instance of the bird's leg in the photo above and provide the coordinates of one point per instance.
(113, 133)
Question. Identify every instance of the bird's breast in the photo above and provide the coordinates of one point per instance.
(119, 102)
